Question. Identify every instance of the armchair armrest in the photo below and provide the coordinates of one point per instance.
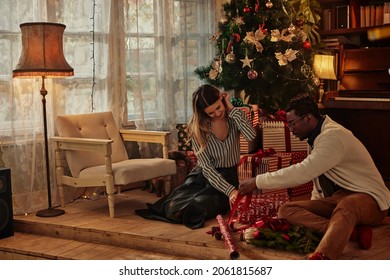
(83, 144)
(160, 137)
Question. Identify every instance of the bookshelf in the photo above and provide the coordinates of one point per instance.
(353, 19)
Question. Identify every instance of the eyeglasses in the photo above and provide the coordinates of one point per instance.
(291, 124)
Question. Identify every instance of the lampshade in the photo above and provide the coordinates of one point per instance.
(325, 66)
(42, 51)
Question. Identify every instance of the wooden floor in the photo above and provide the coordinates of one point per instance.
(86, 232)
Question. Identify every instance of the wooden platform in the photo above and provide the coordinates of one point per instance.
(86, 232)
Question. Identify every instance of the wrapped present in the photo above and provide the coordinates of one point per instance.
(305, 188)
(267, 203)
(261, 206)
(261, 162)
(276, 135)
(183, 143)
(246, 146)
(252, 115)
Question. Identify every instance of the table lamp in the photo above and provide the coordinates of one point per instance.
(325, 69)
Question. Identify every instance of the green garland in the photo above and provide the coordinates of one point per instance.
(279, 234)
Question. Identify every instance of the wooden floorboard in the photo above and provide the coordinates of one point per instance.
(86, 231)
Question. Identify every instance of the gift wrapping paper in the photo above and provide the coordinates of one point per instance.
(227, 238)
(261, 206)
(267, 203)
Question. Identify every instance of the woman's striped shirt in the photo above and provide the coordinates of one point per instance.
(224, 154)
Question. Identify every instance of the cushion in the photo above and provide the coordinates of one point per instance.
(134, 170)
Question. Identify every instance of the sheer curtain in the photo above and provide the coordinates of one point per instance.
(21, 120)
(166, 40)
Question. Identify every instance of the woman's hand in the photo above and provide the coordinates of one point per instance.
(228, 104)
(233, 197)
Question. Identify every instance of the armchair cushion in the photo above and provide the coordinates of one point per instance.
(134, 170)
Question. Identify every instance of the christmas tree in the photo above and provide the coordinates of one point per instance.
(264, 49)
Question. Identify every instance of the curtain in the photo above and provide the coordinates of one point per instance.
(166, 40)
(21, 118)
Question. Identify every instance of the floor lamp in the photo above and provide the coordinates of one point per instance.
(325, 69)
(42, 56)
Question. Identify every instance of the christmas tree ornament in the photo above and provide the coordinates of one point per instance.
(299, 23)
(247, 9)
(246, 61)
(224, 20)
(230, 58)
(239, 21)
(252, 74)
(257, 5)
(292, 28)
(216, 68)
(306, 45)
(306, 70)
(316, 81)
(269, 4)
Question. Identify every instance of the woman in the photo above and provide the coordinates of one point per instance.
(214, 130)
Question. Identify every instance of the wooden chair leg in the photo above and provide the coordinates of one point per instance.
(59, 174)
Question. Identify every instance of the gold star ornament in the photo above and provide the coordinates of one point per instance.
(246, 61)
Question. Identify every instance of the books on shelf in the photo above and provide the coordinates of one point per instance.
(335, 42)
(354, 15)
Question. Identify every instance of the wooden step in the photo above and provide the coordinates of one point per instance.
(25, 246)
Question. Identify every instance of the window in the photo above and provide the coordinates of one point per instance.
(165, 42)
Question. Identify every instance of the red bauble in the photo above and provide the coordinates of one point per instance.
(306, 45)
(299, 22)
(247, 9)
(252, 74)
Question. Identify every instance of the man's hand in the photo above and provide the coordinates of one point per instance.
(247, 186)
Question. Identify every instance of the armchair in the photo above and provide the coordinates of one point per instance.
(96, 155)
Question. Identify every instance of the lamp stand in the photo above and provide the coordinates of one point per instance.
(321, 91)
(50, 211)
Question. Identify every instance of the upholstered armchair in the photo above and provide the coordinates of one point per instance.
(96, 155)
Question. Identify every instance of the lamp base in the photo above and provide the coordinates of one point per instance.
(50, 212)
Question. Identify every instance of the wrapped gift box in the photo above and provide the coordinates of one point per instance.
(252, 115)
(253, 164)
(260, 206)
(246, 146)
(276, 135)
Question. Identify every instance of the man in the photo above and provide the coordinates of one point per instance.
(349, 194)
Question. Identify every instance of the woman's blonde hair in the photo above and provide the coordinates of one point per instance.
(199, 124)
